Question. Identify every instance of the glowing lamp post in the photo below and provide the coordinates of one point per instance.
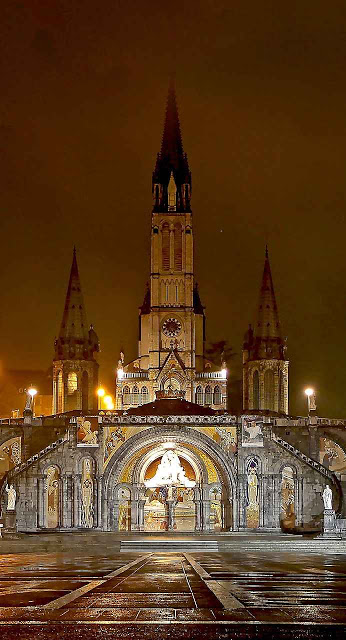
(32, 393)
(100, 394)
(311, 398)
(109, 404)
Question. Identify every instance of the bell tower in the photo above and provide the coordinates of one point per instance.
(265, 364)
(171, 319)
(75, 370)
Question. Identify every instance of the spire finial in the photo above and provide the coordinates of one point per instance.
(267, 254)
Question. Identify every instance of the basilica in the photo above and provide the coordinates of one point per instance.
(169, 456)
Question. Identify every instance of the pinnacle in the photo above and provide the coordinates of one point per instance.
(268, 325)
(74, 321)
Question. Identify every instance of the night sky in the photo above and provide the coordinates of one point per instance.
(261, 90)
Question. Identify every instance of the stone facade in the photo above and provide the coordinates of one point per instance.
(246, 475)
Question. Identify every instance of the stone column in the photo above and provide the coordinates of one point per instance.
(64, 503)
(206, 515)
(114, 525)
(135, 515)
(242, 501)
(141, 504)
(228, 521)
(40, 501)
(76, 501)
(197, 502)
(99, 502)
(170, 514)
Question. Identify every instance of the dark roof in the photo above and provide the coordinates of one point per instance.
(171, 406)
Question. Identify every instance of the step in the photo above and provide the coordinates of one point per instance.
(169, 545)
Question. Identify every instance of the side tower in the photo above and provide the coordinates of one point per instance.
(265, 365)
(75, 370)
(171, 320)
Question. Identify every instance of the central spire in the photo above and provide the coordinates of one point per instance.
(171, 164)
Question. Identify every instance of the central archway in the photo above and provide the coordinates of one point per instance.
(214, 495)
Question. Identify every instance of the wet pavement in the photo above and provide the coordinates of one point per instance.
(166, 595)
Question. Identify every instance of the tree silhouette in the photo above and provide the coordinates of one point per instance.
(220, 352)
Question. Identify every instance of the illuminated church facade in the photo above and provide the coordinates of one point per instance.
(169, 456)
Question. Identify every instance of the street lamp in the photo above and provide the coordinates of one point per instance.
(108, 400)
(32, 392)
(311, 398)
(100, 394)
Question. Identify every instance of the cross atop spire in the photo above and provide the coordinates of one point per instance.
(171, 160)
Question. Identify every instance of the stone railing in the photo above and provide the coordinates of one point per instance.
(302, 456)
(211, 374)
(111, 418)
(170, 394)
(143, 375)
(37, 456)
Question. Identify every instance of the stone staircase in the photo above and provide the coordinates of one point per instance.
(320, 468)
(159, 545)
(37, 456)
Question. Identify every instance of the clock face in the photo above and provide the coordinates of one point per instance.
(171, 327)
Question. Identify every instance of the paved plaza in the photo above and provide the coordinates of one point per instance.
(164, 595)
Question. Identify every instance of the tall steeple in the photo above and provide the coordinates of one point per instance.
(172, 168)
(265, 372)
(73, 323)
(171, 344)
(268, 325)
(75, 370)
(75, 340)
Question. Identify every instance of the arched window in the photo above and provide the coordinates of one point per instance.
(281, 392)
(135, 395)
(126, 395)
(255, 390)
(60, 392)
(269, 390)
(199, 395)
(165, 247)
(208, 395)
(52, 497)
(178, 248)
(217, 395)
(85, 391)
(144, 395)
(72, 383)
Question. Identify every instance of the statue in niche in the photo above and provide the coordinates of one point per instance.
(87, 496)
(327, 497)
(11, 497)
(169, 472)
(252, 483)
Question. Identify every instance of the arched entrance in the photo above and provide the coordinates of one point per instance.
(198, 494)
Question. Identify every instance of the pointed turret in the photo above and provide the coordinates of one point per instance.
(75, 370)
(171, 165)
(268, 325)
(265, 378)
(73, 325)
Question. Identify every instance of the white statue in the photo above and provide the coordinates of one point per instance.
(11, 497)
(169, 472)
(328, 497)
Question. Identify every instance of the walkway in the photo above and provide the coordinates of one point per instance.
(172, 595)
